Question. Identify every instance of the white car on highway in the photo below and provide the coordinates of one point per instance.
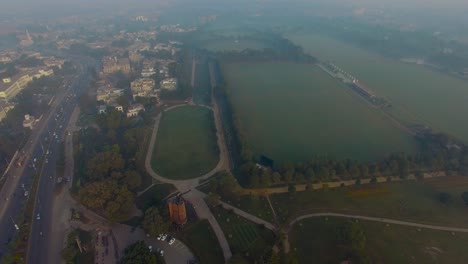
(38, 217)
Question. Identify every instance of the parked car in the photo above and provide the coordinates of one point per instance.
(164, 236)
(171, 241)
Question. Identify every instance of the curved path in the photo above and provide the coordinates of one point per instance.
(187, 187)
(381, 220)
(368, 218)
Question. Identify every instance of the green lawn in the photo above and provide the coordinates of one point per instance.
(409, 201)
(252, 204)
(245, 238)
(417, 93)
(293, 111)
(313, 241)
(186, 144)
(202, 90)
(203, 242)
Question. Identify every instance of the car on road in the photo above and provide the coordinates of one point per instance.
(163, 237)
(46, 161)
(38, 217)
(150, 248)
(161, 253)
(26, 193)
(171, 241)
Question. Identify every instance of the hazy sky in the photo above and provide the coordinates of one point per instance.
(13, 6)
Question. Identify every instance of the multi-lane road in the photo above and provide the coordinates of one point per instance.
(41, 152)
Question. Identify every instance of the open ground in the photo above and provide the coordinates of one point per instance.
(292, 112)
(409, 201)
(418, 94)
(313, 240)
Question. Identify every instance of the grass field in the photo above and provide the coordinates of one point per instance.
(417, 93)
(202, 89)
(244, 237)
(252, 204)
(293, 111)
(186, 144)
(314, 242)
(409, 201)
(203, 242)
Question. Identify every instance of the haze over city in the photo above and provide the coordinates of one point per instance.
(215, 131)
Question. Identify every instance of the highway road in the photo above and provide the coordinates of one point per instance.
(41, 228)
(45, 138)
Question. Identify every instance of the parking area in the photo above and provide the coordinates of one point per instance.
(176, 253)
(105, 249)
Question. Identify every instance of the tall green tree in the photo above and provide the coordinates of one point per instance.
(153, 222)
(107, 197)
(139, 253)
(103, 163)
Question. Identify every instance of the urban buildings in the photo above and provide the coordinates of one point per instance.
(11, 86)
(135, 109)
(142, 87)
(108, 94)
(113, 64)
(169, 84)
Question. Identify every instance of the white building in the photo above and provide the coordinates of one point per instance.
(102, 109)
(135, 109)
(169, 84)
(108, 94)
(142, 87)
(11, 86)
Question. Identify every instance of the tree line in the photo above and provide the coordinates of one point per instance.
(110, 163)
(278, 48)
